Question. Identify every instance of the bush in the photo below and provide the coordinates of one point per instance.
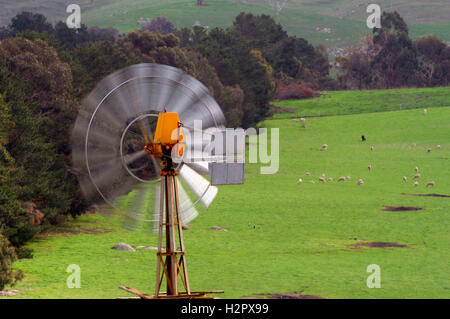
(293, 91)
(7, 257)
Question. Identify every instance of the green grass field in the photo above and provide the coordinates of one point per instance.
(285, 237)
(351, 102)
(300, 17)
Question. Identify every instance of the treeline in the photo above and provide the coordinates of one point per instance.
(389, 58)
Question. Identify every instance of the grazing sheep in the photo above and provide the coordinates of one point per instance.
(299, 181)
(360, 182)
(438, 147)
(371, 148)
(349, 177)
(416, 169)
(303, 122)
(416, 176)
(323, 175)
(405, 179)
(321, 179)
(369, 167)
(324, 147)
(429, 150)
(430, 183)
(330, 179)
(341, 179)
(307, 174)
(425, 111)
(416, 184)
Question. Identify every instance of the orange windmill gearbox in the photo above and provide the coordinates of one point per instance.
(168, 133)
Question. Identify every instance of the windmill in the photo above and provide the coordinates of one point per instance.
(134, 133)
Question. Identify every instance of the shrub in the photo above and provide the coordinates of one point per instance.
(293, 91)
(7, 257)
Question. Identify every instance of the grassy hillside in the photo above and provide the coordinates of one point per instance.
(301, 17)
(285, 237)
(351, 102)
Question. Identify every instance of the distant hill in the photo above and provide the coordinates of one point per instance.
(334, 23)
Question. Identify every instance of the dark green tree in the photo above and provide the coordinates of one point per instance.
(7, 256)
(396, 63)
(30, 21)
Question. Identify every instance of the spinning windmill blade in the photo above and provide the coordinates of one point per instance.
(118, 119)
(129, 138)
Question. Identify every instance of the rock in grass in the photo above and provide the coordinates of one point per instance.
(218, 228)
(123, 247)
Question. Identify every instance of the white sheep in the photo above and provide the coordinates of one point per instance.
(330, 179)
(303, 122)
(430, 183)
(416, 184)
(349, 177)
(416, 176)
(341, 179)
(324, 147)
(425, 111)
(321, 179)
(416, 169)
(438, 147)
(371, 148)
(323, 175)
(360, 182)
(405, 178)
(299, 181)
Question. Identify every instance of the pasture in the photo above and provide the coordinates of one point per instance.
(283, 237)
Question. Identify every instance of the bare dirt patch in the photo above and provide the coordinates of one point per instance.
(400, 208)
(428, 195)
(289, 295)
(280, 109)
(379, 244)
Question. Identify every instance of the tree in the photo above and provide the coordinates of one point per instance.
(355, 69)
(262, 31)
(90, 62)
(290, 56)
(396, 63)
(434, 60)
(7, 256)
(236, 64)
(153, 47)
(43, 110)
(30, 21)
(159, 24)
